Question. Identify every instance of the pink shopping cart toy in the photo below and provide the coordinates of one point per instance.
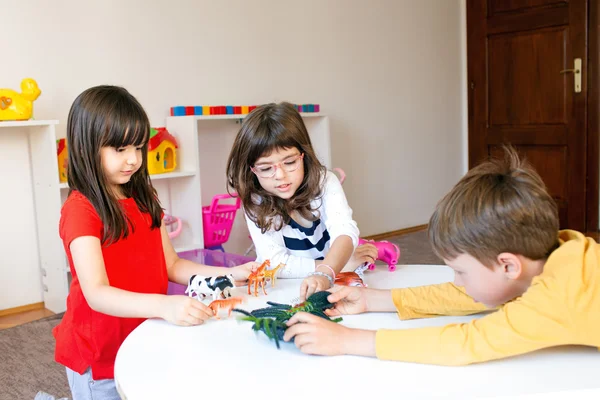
(217, 220)
(387, 252)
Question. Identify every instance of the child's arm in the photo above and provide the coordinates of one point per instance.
(434, 300)
(337, 216)
(527, 324)
(532, 322)
(89, 265)
(179, 270)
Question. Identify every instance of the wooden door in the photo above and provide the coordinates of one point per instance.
(516, 50)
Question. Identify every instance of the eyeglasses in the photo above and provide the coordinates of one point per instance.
(269, 170)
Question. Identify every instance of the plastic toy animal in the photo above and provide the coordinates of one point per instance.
(215, 286)
(258, 278)
(170, 220)
(349, 279)
(225, 304)
(271, 274)
(387, 252)
(19, 106)
(271, 320)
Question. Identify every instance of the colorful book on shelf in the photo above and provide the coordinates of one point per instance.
(180, 111)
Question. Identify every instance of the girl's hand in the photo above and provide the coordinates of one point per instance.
(184, 311)
(348, 300)
(316, 335)
(240, 272)
(313, 284)
(365, 253)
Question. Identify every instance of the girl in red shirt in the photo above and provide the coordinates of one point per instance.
(119, 251)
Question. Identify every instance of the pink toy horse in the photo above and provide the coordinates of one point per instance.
(387, 252)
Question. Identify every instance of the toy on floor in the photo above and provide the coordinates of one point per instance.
(271, 320)
(162, 151)
(271, 274)
(349, 279)
(258, 278)
(225, 304)
(213, 285)
(171, 220)
(19, 106)
(387, 252)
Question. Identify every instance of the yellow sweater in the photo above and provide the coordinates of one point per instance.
(562, 306)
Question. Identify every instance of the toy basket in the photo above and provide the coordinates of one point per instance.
(217, 220)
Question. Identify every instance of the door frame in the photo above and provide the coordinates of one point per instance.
(593, 119)
(592, 152)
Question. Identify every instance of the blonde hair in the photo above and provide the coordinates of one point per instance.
(498, 206)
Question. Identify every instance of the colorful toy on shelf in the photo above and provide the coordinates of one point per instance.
(271, 320)
(387, 252)
(271, 274)
(181, 111)
(19, 106)
(62, 153)
(225, 304)
(257, 278)
(162, 151)
(217, 220)
(174, 224)
(213, 285)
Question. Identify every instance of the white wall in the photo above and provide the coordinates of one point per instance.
(389, 73)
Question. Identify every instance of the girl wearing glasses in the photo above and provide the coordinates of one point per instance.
(296, 210)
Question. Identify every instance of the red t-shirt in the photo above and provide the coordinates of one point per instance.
(86, 337)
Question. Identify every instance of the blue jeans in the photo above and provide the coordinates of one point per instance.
(83, 387)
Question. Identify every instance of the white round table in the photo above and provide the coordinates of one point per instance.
(226, 359)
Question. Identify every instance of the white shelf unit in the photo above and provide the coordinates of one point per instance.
(33, 262)
(205, 142)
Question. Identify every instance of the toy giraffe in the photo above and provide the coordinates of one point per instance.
(271, 274)
(258, 278)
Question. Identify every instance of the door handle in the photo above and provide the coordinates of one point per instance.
(576, 74)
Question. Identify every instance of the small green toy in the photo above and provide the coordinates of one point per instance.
(272, 320)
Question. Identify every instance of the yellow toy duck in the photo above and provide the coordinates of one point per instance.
(15, 106)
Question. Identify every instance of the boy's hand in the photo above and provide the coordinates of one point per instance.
(184, 311)
(348, 300)
(240, 272)
(365, 253)
(316, 335)
(313, 284)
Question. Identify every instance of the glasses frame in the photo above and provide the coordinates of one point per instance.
(278, 165)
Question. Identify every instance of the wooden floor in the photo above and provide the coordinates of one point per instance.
(8, 321)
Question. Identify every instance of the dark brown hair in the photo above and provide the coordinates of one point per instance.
(109, 116)
(498, 206)
(265, 129)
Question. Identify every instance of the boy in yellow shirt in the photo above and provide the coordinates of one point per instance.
(498, 230)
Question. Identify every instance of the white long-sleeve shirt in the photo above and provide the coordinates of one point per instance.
(298, 247)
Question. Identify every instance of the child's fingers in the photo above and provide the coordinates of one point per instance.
(303, 290)
(302, 317)
(332, 312)
(338, 295)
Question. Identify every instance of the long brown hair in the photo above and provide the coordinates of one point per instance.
(109, 116)
(267, 128)
(501, 205)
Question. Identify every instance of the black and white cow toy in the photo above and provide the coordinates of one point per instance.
(215, 285)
